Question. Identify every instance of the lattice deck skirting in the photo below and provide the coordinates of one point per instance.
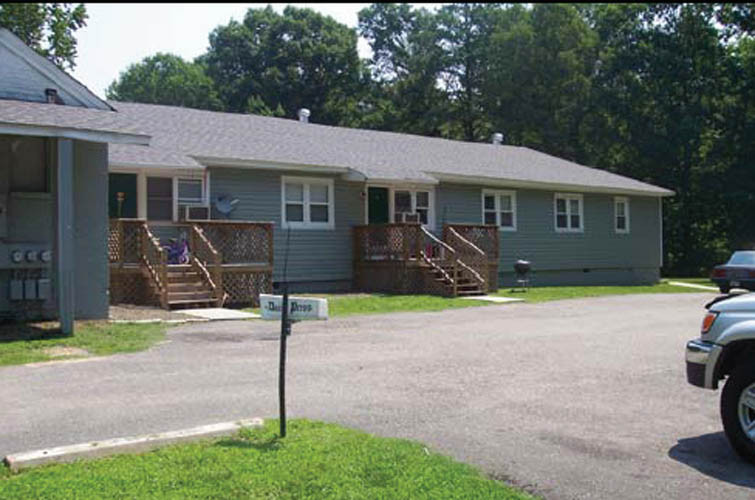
(236, 255)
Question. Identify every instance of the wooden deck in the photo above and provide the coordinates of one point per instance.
(231, 263)
(407, 258)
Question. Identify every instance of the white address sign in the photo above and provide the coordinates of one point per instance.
(299, 308)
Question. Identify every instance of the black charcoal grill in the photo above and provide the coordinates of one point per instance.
(522, 269)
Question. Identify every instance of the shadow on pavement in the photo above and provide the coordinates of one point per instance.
(712, 455)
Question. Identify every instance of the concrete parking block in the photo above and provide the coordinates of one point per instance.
(115, 446)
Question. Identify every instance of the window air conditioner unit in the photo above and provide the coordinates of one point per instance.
(409, 217)
(196, 212)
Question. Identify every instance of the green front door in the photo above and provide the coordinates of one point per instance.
(377, 205)
(126, 184)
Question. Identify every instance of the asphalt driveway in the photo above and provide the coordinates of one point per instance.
(570, 399)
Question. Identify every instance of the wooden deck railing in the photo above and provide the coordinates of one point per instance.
(485, 238)
(208, 262)
(124, 241)
(155, 261)
(441, 257)
(474, 262)
(234, 257)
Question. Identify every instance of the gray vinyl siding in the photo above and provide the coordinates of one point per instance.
(562, 258)
(90, 230)
(21, 81)
(317, 259)
(31, 225)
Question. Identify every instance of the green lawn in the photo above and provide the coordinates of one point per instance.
(27, 342)
(346, 304)
(547, 293)
(315, 461)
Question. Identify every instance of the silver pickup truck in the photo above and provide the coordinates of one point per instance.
(726, 348)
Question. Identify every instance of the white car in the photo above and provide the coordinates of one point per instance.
(726, 349)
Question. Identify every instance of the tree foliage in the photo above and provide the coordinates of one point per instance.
(276, 63)
(48, 28)
(166, 79)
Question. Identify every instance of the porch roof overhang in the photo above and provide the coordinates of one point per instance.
(73, 133)
(68, 122)
(550, 186)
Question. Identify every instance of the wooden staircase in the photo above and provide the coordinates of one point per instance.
(465, 287)
(187, 289)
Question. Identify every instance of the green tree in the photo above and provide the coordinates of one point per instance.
(465, 32)
(48, 28)
(275, 64)
(661, 94)
(538, 84)
(166, 79)
(406, 68)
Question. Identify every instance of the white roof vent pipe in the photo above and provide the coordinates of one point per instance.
(497, 138)
(303, 115)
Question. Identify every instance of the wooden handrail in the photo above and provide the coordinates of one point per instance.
(155, 261)
(466, 241)
(204, 255)
(474, 259)
(435, 266)
(436, 240)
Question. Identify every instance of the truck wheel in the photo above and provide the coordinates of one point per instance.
(738, 411)
(724, 288)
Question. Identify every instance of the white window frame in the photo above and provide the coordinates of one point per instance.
(306, 182)
(569, 197)
(413, 189)
(616, 201)
(496, 194)
(141, 190)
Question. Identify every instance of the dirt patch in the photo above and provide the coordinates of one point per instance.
(62, 351)
(127, 312)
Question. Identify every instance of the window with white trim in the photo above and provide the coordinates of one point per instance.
(307, 203)
(190, 191)
(568, 212)
(411, 202)
(621, 214)
(499, 208)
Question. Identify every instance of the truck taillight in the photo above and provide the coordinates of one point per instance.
(719, 273)
(708, 321)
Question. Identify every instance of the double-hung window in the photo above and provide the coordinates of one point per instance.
(307, 203)
(190, 191)
(621, 214)
(569, 213)
(499, 208)
(411, 203)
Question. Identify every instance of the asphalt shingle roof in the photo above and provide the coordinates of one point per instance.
(75, 118)
(179, 135)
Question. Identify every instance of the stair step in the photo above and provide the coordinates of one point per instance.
(183, 277)
(197, 294)
(194, 286)
(186, 302)
(470, 292)
(176, 267)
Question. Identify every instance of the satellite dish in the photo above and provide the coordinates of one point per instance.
(225, 205)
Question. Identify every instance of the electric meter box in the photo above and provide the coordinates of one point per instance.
(16, 290)
(30, 289)
(43, 289)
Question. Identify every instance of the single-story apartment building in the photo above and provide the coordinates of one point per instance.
(263, 199)
(318, 184)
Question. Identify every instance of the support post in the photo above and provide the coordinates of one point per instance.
(64, 235)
